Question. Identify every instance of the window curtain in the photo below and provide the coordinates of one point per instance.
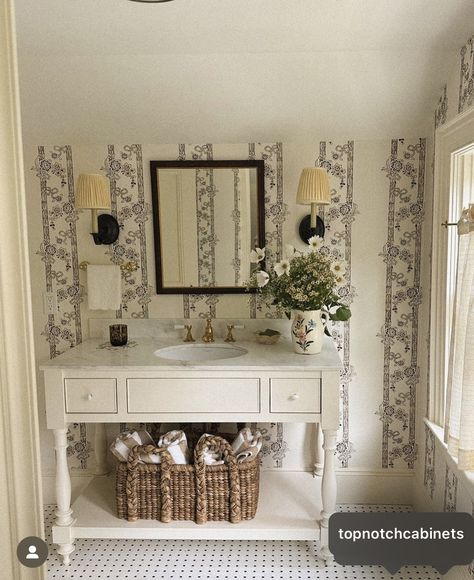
(459, 423)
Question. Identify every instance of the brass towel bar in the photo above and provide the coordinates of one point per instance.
(125, 267)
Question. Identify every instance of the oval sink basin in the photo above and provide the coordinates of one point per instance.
(190, 352)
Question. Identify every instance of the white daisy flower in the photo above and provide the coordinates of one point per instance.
(262, 278)
(257, 255)
(282, 267)
(315, 242)
(338, 269)
(289, 250)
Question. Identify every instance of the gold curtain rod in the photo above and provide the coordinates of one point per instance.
(446, 224)
(467, 216)
(125, 267)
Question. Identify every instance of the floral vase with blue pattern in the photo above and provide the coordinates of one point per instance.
(307, 330)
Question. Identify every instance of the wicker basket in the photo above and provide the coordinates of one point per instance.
(198, 492)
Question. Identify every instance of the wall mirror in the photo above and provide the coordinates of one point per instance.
(207, 217)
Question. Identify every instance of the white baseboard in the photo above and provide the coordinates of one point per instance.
(379, 486)
(369, 486)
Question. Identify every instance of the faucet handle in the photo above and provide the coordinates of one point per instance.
(189, 336)
(230, 336)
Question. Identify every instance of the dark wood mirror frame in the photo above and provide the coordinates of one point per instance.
(259, 165)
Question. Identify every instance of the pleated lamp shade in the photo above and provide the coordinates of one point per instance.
(313, 187)
(92, 191)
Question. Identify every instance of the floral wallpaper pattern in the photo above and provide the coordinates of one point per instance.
(200, 305)
(54, 170)
(441, 112)
(276, 212)
(405, 170)
(236, 218)
(429, 479)
(450, 491)
(338, 161)
(123, 166)
(466, 81)
(206, 192)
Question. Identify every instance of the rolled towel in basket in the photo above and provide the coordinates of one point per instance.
(127, 440)
(247, 445)
(211, 457)
(177, 445)
(174, 441)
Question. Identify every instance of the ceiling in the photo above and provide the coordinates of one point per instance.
(234, 70)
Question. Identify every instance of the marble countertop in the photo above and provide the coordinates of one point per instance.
(97, 354)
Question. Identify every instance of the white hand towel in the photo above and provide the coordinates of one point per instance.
(104, 287)
(177, 445)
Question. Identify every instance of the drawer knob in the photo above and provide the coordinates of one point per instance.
(90, 396)
(294, 397)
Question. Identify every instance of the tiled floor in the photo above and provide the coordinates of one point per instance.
(213, 560)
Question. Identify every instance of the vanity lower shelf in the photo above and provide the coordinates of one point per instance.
(287, 511)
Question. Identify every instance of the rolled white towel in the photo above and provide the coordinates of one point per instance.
(247, 445)
(127, 440)
(247, 455)
(177, 445)
(211, 457)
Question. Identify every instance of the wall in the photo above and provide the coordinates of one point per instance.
(439, 486)
(374, 225)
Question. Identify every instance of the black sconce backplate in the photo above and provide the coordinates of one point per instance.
(306, 231)
(108, 229)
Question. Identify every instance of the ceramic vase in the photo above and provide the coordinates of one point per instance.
(307, 330)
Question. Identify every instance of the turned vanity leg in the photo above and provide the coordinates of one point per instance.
(319, 464)
(328, 491)
(100, 447)
(63, 513)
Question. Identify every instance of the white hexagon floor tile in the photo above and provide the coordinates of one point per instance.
(213, 559)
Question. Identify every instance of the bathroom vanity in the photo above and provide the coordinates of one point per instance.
(252, 383)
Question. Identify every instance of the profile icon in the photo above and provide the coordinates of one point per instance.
(32, 555)
(32, 552)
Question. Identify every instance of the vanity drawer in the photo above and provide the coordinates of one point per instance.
(190, 395)
(295, 395)
(90, 395)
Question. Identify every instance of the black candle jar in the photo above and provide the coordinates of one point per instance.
(118, 334)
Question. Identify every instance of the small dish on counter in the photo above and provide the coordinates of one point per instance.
(267, 336)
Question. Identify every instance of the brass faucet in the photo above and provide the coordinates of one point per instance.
(208, 335)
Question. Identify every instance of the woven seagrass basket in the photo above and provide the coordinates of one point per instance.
(197, 492)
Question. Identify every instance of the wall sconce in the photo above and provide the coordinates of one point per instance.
(92, 192)
(313, 189)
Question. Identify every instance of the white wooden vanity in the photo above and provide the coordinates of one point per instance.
(268, 384)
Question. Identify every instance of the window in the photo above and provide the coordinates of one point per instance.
(461, 194)
(453, 191)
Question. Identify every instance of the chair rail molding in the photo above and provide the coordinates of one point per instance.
(21, 501)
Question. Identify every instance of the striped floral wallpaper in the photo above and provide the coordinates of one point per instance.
(397, 167)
